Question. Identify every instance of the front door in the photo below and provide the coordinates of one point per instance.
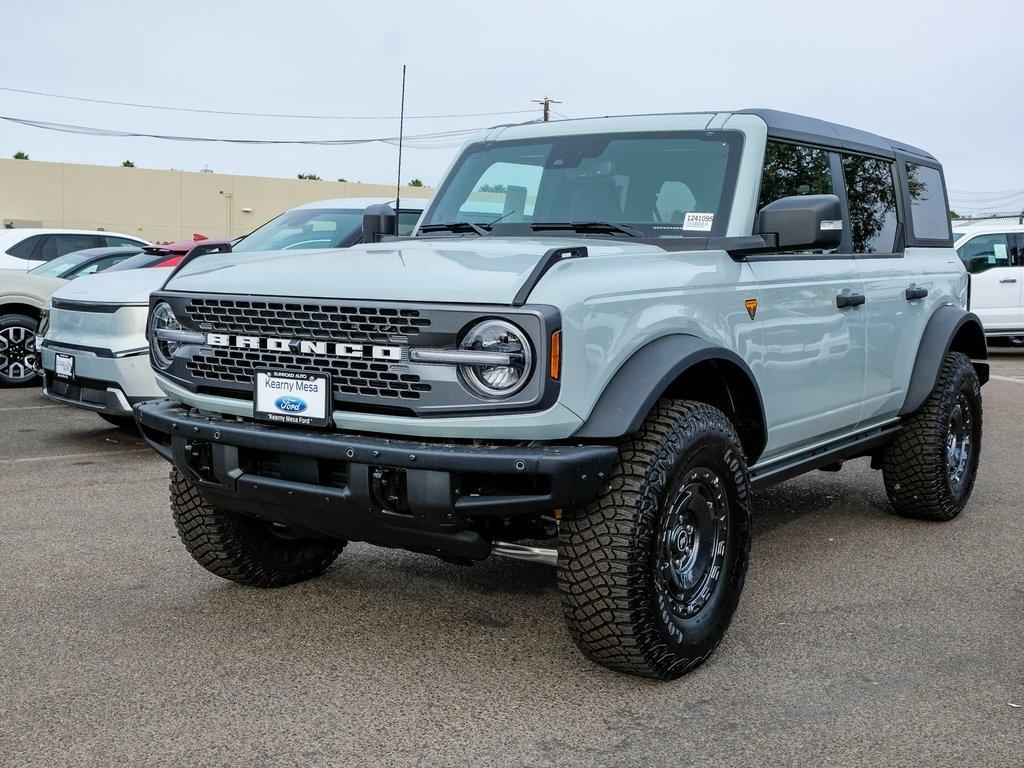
(814, 350)
(995, 280)
(814, 326)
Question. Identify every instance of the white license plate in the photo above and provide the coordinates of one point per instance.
(292, 397)
(64, 366)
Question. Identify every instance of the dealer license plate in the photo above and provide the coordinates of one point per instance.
(64, 366)
(292, 397)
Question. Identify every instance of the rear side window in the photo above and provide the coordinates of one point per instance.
(23, 250)
(929, 211)
(58, 245)
(985, 252)
(790, 170)
(119, 241)
(871, 192)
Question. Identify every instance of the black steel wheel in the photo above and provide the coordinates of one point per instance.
(651, 572)
(929, 469)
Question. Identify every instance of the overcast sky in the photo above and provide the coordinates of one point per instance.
(941, 75)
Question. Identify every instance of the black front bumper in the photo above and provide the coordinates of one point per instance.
(421, 496)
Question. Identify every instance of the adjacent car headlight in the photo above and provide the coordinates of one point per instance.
(162, 318)
(513, 359)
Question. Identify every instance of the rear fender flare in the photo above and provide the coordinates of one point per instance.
(949, 329)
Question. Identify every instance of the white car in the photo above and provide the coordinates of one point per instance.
(23, 249)
(994, 256)
(94, 349)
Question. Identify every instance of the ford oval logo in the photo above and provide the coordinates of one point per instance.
(290, 404)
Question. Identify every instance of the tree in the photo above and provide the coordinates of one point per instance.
(308, 176)
(493, 188)
(343, 180)
(127, 164)
(953, 214)
(415, 183)
(20, 155)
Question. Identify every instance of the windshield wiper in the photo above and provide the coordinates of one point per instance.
(588, 226)
(458, 226)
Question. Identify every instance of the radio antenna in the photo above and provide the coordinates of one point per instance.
(401, 125)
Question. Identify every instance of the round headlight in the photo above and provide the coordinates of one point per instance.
(161, 318)
(497, 379)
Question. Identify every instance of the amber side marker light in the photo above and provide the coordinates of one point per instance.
(556, 355)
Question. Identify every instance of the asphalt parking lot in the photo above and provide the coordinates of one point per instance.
(861, 638)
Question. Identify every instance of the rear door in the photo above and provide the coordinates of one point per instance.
(814, 349)
(993, 261)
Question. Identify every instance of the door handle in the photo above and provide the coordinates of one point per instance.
(1008, 280)
(844, 300)
(913, 293)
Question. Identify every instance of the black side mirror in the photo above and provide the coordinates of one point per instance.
(378, 221)
(802, 223)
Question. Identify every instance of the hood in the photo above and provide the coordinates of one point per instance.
(131, 286)
(485, 270)
(22, 286)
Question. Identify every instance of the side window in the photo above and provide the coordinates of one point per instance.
(23, 250)
(97, 266)
(871, 191)
(120, 241)
(790, 169)
(985, 252)
(58, 245)
(929, 211)
(1017, 251)
(407, 221)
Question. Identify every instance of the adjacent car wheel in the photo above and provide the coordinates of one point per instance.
(244, 549)
(930, 468)
(651, 572)
(18, 350)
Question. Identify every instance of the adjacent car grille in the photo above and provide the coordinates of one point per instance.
(312, 320)
(348, 377)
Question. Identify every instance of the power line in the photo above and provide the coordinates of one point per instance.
(255, 114)
(84, 130)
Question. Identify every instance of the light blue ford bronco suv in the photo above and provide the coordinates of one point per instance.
(602, 335)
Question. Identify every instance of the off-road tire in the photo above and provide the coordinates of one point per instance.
(613, 597)
(124, 423)
(244, 549)
(25, 328)
(916, 466)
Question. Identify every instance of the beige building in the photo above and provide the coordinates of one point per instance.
(158, 205)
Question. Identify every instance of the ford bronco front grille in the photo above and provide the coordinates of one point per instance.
(349, 377)
(311, 320)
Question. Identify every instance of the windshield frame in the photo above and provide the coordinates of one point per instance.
(735, 138)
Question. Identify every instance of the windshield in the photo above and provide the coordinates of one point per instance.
(657, 184)
(307, 228)
(58, 266)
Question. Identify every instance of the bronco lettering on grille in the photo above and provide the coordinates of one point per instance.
(306, 347)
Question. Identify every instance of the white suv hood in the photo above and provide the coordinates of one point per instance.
(131, 286)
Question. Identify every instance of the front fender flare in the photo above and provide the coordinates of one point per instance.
(647, 375)
(948, 325)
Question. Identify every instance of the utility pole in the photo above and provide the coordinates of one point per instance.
(546, 103)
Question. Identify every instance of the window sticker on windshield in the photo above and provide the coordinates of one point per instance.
(699, 222)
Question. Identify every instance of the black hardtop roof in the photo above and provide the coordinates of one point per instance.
(786, 125)
(793, 127)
